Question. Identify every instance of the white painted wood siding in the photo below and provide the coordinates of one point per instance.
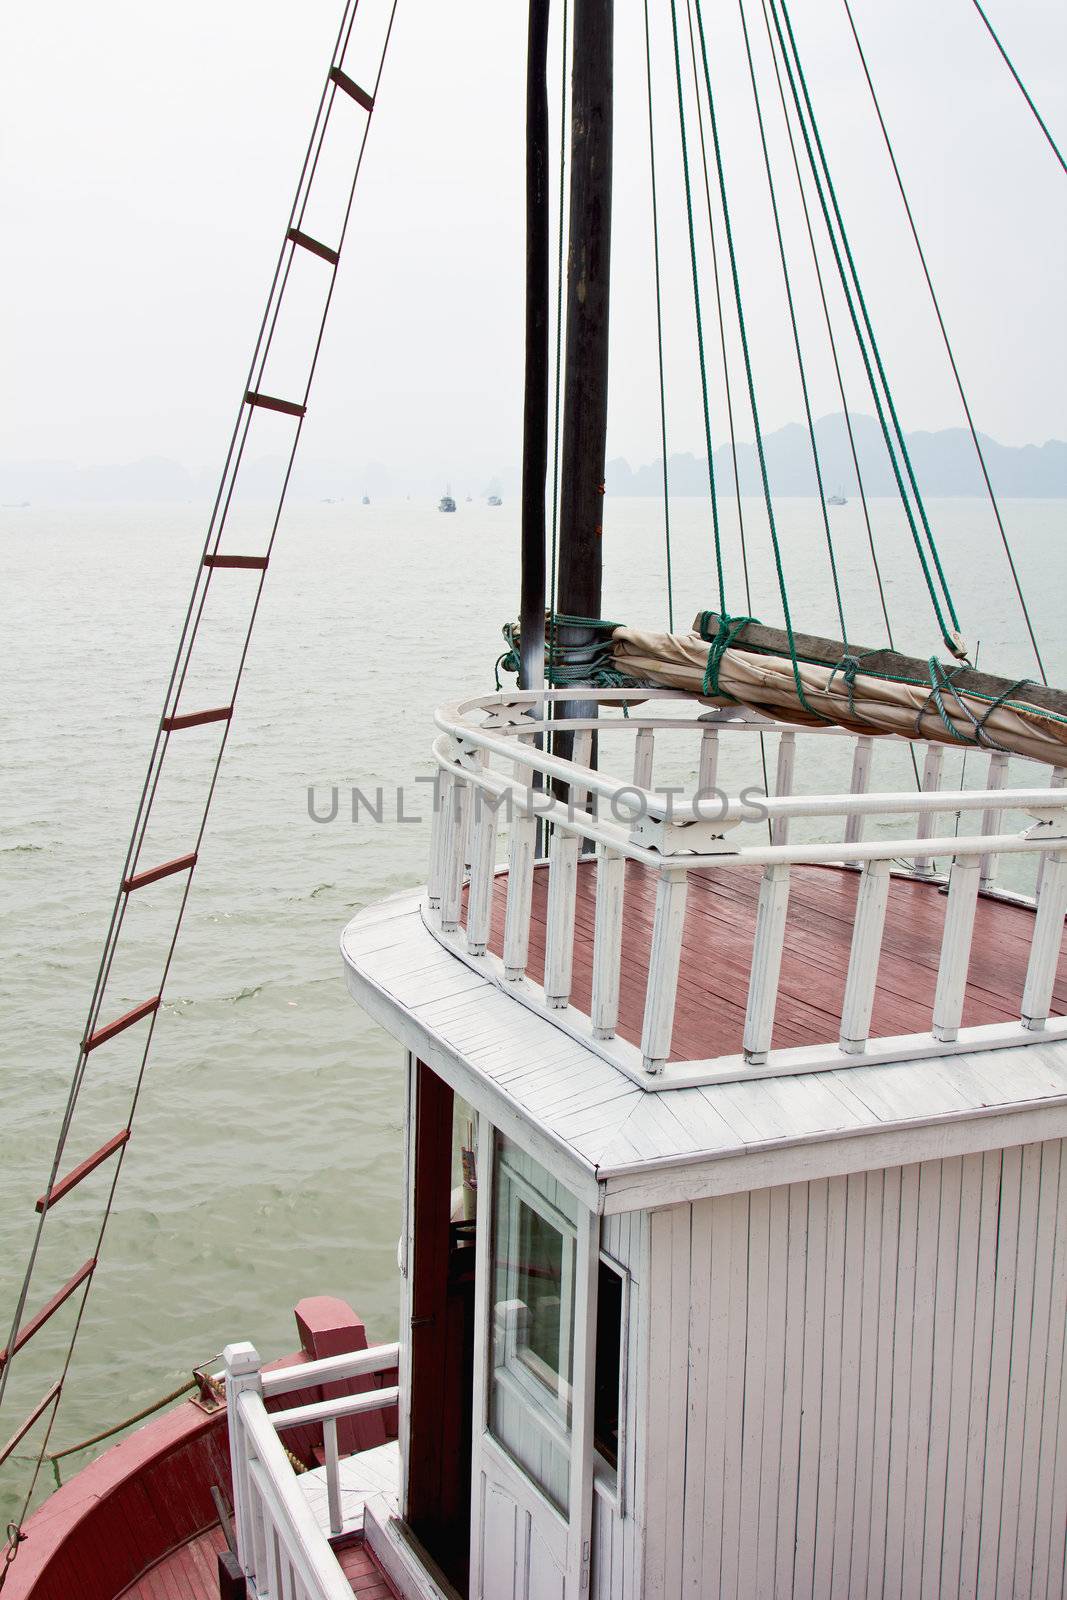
(618, 1517)
(857, 1386)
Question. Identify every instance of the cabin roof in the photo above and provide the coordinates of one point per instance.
(622, 1147)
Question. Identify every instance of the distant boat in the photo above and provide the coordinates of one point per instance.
(366, 499)
(495, 500)
(837, 499)
(446, 502)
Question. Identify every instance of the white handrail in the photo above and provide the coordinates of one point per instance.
(293, 1521)
(280, 1545)
(674, 838)
(331, 1369)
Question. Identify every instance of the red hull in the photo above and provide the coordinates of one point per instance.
(149, 1495)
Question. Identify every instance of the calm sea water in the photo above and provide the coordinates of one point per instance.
(265, 1165)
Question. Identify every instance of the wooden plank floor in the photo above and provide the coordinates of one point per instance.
(191, 1573)
(720, 923)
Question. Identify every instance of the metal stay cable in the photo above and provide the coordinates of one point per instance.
(1038, 118)
(948, 346)
(659, 327)
(796, 331)
(182, 658)
(951, 639)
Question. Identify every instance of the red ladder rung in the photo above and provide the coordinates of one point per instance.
(270, 402)
(76, 1174)
(258, 563)
(194, 719)
(308, 243)
(350, 87)
(153, 874)
(120, 1024)
(50, 1307)
(27, 1422)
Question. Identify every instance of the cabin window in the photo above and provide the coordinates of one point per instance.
(534, 1248)
(607, 1395)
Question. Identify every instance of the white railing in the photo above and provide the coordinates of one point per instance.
(280, 1546)
(493, 767)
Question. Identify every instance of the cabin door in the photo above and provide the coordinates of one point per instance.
(535, 1313)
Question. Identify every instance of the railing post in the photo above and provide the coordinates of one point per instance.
(438, 829)
(956, 948)
(766, 962)
(559, 917)
(644, 755)
(242, 1365)
(709, 759)
(520, 892)
(483, 834)
(333, 1479)
(859, 784)
(607, 941)
(663, 966)
(862, 977)
(931, 782)
(783, 783)
(1047, 939)
(454, 853)
(991, 819)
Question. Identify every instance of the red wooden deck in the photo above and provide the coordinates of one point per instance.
(191, 1573)
(720, 923)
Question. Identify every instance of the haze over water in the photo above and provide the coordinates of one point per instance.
(265, 1164)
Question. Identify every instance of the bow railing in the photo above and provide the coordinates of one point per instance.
(281, 1548)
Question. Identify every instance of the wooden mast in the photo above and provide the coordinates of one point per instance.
(535, 411)
(585, 405)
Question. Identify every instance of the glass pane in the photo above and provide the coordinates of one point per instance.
(532, 1320)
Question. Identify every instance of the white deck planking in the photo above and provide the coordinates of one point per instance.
(368, 1475)
(596, 1126)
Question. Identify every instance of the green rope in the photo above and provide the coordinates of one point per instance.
(725, 635)
(659, 328)
(1022, 87)
(796, 331)
(713, 123)
(696, 305)
(950, 637)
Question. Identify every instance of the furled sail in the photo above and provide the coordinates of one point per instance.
(738, 661)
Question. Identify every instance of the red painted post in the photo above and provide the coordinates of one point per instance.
(329, 1327)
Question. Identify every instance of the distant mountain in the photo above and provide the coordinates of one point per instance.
(945, 464)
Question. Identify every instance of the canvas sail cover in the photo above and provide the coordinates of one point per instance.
(876, 692)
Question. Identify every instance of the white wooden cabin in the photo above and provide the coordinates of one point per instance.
(786, 1320)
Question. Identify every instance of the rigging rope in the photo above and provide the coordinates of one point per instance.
(1039, 119)
(950, 636)
(659, 327)
(712, 120)
(796, 331)
(182, 660)
(948, 346)
(722, 321)
(696, 307)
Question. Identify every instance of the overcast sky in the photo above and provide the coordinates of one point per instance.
(149, 155)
